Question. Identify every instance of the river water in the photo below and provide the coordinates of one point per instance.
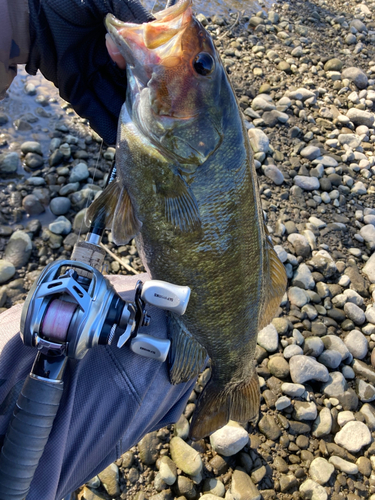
(220, 7)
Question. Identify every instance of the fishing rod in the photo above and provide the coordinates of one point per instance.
(71, 308)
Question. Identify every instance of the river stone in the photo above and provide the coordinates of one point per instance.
(167, 470)
(185, 457)
(313, 346)
(330, 359)
(278, 366)
(369, 268)
(273, 173)
(335, 385)
(303, 277)
(306, 183)
(7, 271)
(305, 410)
(9, 163)
(310, 152)
(321, 470)
(365, 391)
(304, 368)
(357, 344)
(297, 296)
(60, 226)
(148, 448)
(258, 140)
(355, 313)
(292, 350)
(79, 173)
(32, 205)
(230, 439)
(18, 249)
(357, 76)
(370, 314)
(31, 147)
(323, 424)
(311, 490)
(293, 390)
(336, 344)
(110, 480)
(368, 411)
(300, 245)
(353, 436)
(268, 338)
(60, 205)
(242, 487)
(360, 117)
(343, 465)
(209, 496)
(267, 426)
(185, 487)
(333, 65)
(182, 427)
(34, 160)
(214, 486)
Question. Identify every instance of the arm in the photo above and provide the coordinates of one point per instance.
(14, 39)
(112, 398)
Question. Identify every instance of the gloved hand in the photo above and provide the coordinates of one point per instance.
(68, 46)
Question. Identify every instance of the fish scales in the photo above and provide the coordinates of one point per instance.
(187, 190)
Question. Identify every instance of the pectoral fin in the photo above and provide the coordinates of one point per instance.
(180, 205)
(115, 208)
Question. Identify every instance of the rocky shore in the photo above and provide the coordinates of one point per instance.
(304, 75)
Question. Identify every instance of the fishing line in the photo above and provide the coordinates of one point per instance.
(93, 178)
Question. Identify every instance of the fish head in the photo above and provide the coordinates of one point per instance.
(174, 79)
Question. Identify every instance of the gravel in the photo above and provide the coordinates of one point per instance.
(304, 77)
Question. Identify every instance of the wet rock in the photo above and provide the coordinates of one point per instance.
(79, 173)
(7, 271)
(60, 226)
(18, 249)
(60, 205)
(229, 440)
(32, 205)
(9, 163)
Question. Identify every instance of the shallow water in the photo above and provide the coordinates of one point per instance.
(220, 7)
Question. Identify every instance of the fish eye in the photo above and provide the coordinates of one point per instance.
(204, 64)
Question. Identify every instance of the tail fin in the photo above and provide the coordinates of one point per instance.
(217, 405)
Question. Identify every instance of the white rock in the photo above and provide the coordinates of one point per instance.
(343, 465)
(306, 183)
(320, 224)
(293, 390)
(268, 338)
(282, 403)
(320, 470)
(323, 424)
(353, 436)
(344, 417)
(311, 490)
(258, 140)
(297, 296)
(357, 344)
(304, 368)
(354, 313)
(230, 439)
(292, 350)
(369, 268)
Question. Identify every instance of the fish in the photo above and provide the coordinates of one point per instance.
(186, 189)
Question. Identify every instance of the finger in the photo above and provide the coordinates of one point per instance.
(114, 53)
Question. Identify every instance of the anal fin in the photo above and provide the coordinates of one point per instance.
(218, 404)
(187, 356)
(275, 284)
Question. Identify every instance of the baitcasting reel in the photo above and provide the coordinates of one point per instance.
(70, 308)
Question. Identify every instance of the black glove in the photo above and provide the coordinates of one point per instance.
(68, 46)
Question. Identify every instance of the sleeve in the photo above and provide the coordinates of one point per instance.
(14, 40)
(112, 398)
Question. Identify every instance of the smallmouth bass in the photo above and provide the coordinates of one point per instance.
(186, 188)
